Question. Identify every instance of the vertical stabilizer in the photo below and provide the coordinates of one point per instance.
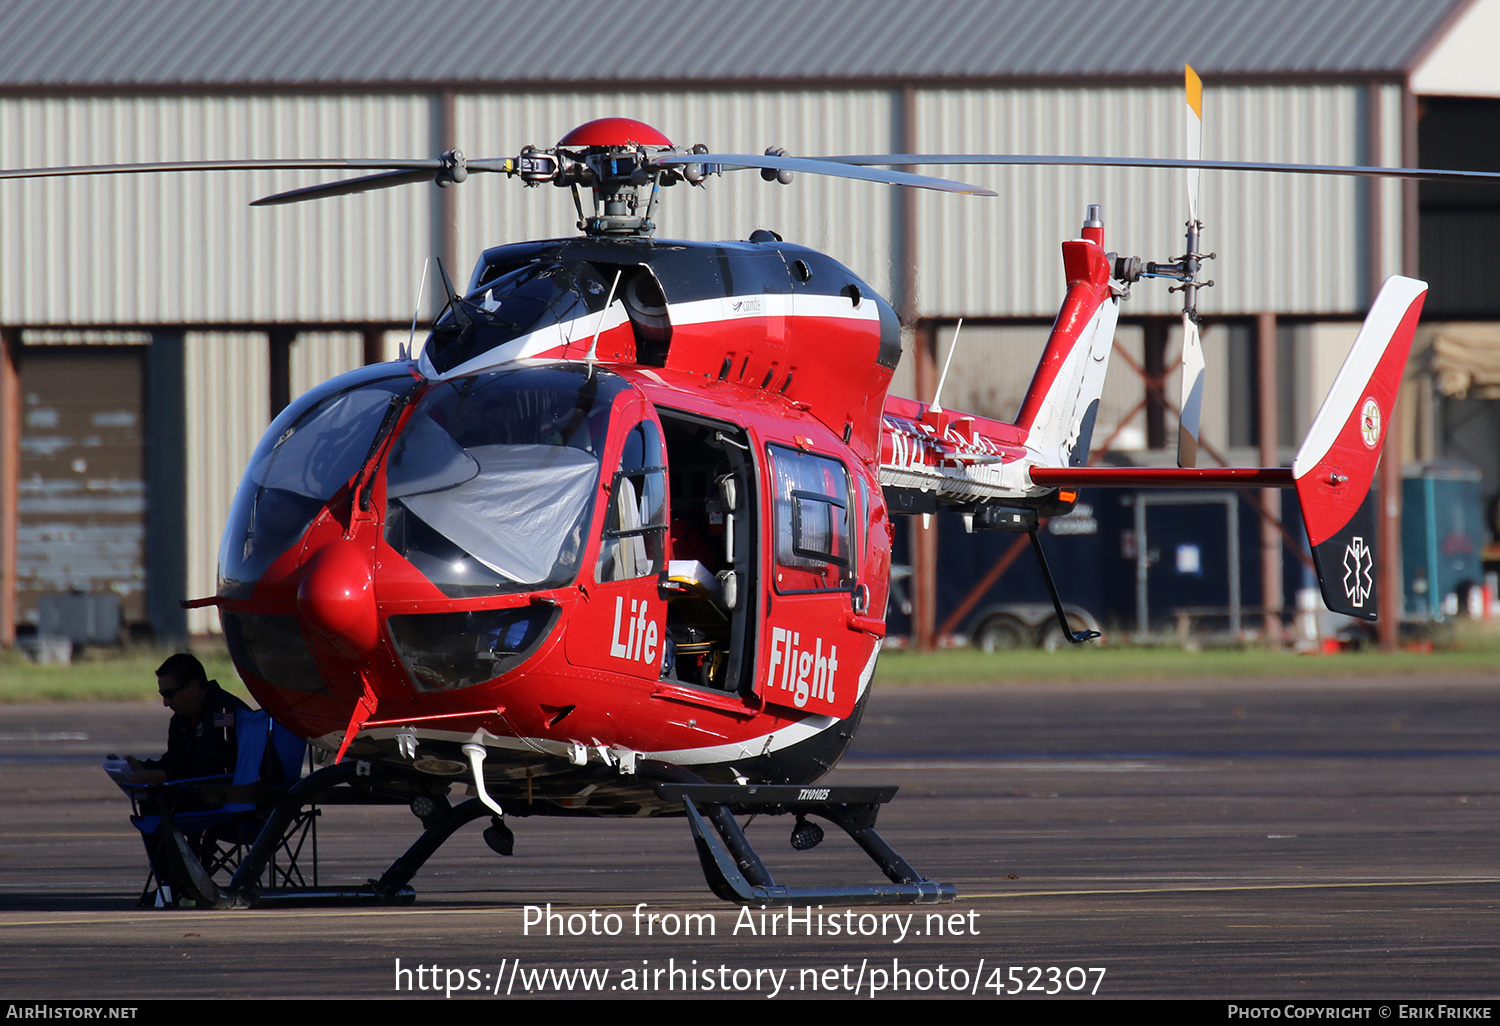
(1062, 401)
(1336, 464)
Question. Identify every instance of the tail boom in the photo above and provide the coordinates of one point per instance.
(1335, 467)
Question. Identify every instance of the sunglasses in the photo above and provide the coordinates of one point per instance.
(172, 692)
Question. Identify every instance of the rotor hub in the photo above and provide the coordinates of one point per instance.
(613, 156)
(614, 132)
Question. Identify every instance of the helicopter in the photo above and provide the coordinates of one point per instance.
(617, 541)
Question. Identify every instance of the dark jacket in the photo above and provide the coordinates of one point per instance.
(202, 745)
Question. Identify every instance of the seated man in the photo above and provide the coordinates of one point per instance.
(201, 742)
(200, 737)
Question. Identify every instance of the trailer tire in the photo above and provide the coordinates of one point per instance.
(1001, 633)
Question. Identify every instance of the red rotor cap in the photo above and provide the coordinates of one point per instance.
(614, 132)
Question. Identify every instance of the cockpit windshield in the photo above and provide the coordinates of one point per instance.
(518, 302)
(308, 453)
(490, 486)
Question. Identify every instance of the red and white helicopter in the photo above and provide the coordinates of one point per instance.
(617, 542)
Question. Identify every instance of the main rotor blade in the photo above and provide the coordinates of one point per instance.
(823, 166)
(365, 183)
(313, 164)
(1426, 174)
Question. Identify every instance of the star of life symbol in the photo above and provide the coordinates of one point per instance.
(1369, 423)
(1358, 565)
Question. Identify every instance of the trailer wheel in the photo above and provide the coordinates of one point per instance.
(1001, 633)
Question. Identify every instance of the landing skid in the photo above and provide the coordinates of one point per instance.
(732, 867)
(736, 873)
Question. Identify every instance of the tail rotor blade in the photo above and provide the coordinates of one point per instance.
(1192, 346)
(1192, 394)
(1194, 122)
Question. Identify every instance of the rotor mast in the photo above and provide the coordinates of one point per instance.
(615, 159)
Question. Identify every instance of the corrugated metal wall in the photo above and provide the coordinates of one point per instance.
(173, 249)
(186, 249)
(1293, 244)
(320, 355)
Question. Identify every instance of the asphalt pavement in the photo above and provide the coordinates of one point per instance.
(1246, 840)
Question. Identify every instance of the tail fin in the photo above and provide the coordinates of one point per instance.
(1062, 401)
(1336, 464)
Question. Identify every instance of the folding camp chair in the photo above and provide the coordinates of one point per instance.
(198, 828)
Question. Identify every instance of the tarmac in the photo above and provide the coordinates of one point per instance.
(1251, 840)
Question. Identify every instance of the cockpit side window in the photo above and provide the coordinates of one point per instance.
(814, 551)
(308, 453)
(636, 525)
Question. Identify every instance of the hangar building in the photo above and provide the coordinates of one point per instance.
(153, 324)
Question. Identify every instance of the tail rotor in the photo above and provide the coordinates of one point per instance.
(1192, 346)
(1184, 270)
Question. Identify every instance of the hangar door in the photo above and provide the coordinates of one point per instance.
(82, 517)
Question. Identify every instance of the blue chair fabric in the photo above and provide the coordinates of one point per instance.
(184, 832)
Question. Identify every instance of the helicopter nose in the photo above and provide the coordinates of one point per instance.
(337, 598)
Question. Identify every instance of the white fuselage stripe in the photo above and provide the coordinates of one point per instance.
(770, 304)
(577, 332)
(1386, 313)
(580, 330)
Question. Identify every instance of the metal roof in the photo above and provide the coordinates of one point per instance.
(296, 44)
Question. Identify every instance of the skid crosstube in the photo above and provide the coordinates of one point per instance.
(736, 873)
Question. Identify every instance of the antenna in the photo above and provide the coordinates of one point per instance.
(411, 340)
(944, 377)
(608, 302)
(461, 316)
